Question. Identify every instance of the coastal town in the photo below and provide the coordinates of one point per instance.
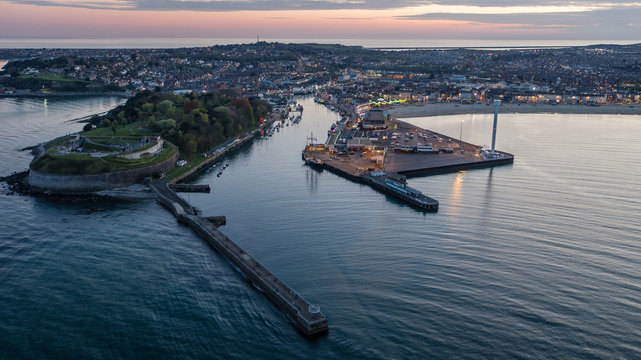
(320, 179)
(188, 107)
(341, 75)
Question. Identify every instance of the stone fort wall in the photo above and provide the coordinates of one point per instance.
(77, 184)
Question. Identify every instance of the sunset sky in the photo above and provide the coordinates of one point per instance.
(332, 19)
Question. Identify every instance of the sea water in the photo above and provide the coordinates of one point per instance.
(539, 259)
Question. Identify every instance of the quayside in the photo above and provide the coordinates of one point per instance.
(382, 152)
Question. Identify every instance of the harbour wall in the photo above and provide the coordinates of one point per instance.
(78, 184)
(508, 159)
(308, 322)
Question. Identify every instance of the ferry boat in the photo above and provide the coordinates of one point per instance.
(400, 190)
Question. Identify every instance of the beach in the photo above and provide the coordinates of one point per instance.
(439, 109)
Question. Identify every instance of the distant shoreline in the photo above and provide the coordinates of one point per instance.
(440, 109)
(180, 42)
(67, 94)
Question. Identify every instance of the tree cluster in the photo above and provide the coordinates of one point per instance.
(194, 122)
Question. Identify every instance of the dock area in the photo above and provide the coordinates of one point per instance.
(384, 154)
(307, 317)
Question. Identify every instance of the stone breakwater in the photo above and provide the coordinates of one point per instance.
(307, 317)
(79, 184)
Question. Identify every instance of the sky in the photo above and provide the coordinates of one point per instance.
(331, 19)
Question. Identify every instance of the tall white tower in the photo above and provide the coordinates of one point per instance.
(497, 103)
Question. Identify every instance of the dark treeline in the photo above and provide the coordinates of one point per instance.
(194, 122)
(65, 85)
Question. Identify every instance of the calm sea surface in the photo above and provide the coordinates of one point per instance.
(539, 259)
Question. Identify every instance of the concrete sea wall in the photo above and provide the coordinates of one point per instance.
(77, 184)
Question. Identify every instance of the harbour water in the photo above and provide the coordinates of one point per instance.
(537, 259)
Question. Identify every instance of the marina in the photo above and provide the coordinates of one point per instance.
(306, 317)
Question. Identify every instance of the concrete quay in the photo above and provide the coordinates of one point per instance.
(307, 317)
(396, 153)
(413, 165)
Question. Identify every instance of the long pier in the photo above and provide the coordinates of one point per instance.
(307, 317)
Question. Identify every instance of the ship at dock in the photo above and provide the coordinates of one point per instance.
(397, 187)
(375, 149)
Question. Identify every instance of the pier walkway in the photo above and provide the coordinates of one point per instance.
(307, 317)
(168, 197)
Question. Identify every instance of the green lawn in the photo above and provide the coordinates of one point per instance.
(177, 171)
(97, 147)
(55, 77)
(125, 130)
(52, 145)
(85, 164)
(118, 140)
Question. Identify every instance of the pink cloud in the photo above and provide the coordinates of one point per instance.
(41, 21)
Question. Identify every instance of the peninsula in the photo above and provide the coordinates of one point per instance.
(143, 138)
(205, 126)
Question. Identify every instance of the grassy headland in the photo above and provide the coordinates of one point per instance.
(85, 164)
(195, 123)
(49, 83)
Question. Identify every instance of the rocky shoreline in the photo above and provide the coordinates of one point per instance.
(16, 184)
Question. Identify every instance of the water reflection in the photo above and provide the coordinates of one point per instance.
(311, 175)
(457, 190)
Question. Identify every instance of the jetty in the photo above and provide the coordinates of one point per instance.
(307, 317)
